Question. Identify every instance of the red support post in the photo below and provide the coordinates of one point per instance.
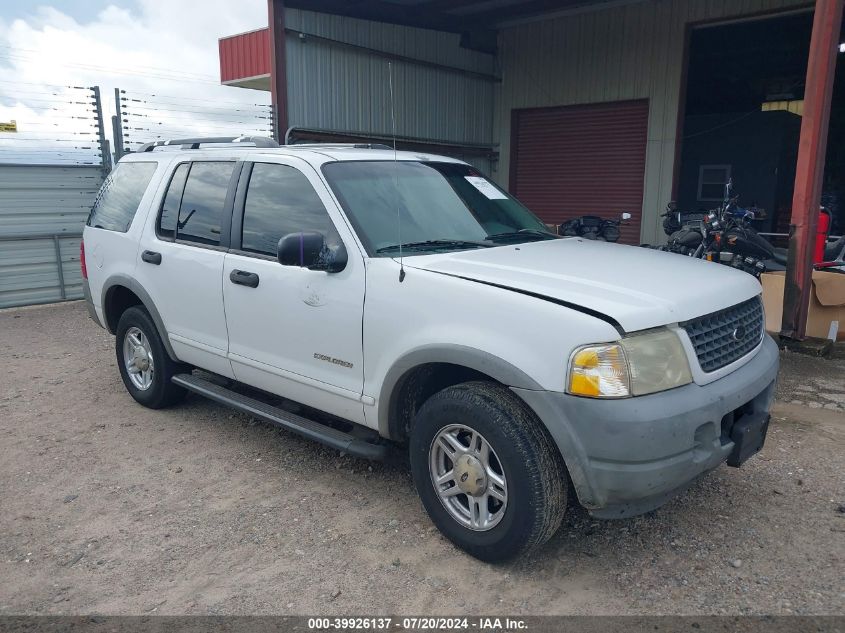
(278, 69)
(812, 145)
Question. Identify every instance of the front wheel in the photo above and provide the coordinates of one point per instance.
(487, 472)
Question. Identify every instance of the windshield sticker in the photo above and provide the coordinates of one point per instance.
(486, 188)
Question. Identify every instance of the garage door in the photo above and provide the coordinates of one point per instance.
(581, 160)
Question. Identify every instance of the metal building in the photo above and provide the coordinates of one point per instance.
(610, 56)
(607, 53)
(338, 82)
(576, 106)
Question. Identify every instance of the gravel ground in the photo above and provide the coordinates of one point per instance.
(107, 507)
(811, 382)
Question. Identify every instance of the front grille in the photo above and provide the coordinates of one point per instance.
(718, 338)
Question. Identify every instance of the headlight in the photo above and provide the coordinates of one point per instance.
(639, 364)
(657, 361)
(599, 371)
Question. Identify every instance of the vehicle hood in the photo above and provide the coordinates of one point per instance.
(639, 288)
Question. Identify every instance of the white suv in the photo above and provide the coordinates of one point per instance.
(403, 298)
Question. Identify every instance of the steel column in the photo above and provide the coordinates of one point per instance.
(812, 145)
(278, 70)
(115, 133)
(105, 151)
(117, 126)
(58, 250)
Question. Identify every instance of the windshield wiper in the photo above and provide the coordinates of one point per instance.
(433, 244)
(521, 233)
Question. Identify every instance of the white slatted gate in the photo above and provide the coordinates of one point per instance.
(42, 211)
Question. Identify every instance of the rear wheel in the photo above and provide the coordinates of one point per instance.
(486, 470)
(144, 364)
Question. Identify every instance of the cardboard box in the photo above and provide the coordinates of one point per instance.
(826, 318)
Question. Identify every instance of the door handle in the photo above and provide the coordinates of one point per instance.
(151, 257)
(244, 278)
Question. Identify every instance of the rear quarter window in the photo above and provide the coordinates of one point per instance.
(120, 196)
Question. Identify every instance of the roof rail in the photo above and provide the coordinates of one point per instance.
(342, 145)
(194, 143)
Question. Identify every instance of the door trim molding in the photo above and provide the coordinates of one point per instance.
(289, 375)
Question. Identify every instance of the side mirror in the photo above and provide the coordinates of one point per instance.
(626, 215)
(309, 250)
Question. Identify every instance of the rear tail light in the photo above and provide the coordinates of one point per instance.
(82, 260)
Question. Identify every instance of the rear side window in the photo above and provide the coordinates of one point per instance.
(120, 196)
(280, 200)
(202, 202)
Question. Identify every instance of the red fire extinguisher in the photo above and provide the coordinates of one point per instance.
(822, 232)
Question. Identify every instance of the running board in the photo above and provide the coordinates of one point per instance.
(289, 421)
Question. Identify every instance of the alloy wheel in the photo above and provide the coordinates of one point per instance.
(138, 358)
(468, 477)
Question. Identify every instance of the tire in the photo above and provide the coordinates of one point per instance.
(535, 478)
(160, 392)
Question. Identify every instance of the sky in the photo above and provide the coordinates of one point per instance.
(81, 10)
(166, 48)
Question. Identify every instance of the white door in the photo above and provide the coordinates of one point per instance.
(180, 262)
(293, 331)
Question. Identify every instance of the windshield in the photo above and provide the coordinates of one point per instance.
(442, 206)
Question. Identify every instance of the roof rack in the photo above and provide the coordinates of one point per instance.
(342, 145)
(194, 143)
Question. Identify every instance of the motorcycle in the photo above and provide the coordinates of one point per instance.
(722, 235)
(593, 227)
(687, 232)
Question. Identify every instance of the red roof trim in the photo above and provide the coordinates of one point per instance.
(244, 55)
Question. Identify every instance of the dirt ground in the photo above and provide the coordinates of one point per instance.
(110, 508)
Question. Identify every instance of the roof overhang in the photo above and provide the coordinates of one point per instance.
(258, 82)
(456, 16)
(245, 58)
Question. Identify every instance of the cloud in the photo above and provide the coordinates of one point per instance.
(161, 47)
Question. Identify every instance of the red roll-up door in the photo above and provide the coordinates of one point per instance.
(581, 160)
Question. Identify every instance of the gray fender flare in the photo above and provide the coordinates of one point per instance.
(568, 445)
(478, 360)
(146, 300)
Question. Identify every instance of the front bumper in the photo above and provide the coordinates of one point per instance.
(629, 456)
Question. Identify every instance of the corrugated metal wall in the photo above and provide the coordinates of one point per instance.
(342, 89)
(42, 211)
(633, 51)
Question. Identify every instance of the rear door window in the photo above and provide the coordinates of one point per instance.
(203, 201)
(120, 196)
